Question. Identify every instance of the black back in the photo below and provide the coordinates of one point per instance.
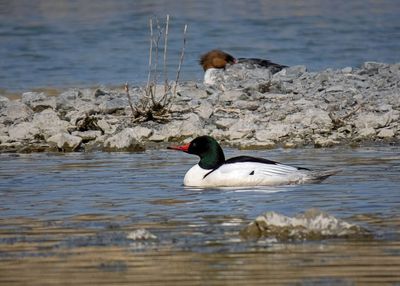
(243, 159)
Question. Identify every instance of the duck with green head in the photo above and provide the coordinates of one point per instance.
(214, 171)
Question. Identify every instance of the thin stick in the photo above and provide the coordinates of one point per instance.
(180, 61)
(129, 99)
(147, 91)
(157, 43)
(165, 55)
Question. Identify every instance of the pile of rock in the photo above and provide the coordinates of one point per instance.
(248, 109)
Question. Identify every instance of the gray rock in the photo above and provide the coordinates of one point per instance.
(367, 132)
(290, 72)
(108, 126)
(347, 70)
(65, 141)
(386, 133)
(231, 95)
(3, 99)
(66, 100)
(38, 101)
(204, 110)
(141, 133)
(15, 111)
(113, 105)
(322, 142)
(251, 144)
(225, 123)
(312, 225)
(186, 94)
(23, 131)
(273, 132)
(123, 141)
(87, 135)
(374, 120)
(49, 123)
(335, 88)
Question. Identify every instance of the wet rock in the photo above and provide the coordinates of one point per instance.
(141, 234)
(65, 141)
(141, 133)
(374, 120)
(322, 142)
(87, 135)
(23, 131)
(386, 133)
(49, 123)
(311, 225)
(124, 141)
(108, 126)
(367, 132)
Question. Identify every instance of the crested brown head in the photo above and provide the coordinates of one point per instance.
(216, 59)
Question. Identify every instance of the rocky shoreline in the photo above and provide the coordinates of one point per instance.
(248, 109)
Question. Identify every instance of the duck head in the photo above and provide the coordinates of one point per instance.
(207, 148)
(216, 59)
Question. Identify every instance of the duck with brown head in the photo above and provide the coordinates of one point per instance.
(215, 60)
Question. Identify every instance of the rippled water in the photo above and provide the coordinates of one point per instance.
(79, 43)
(68, 215)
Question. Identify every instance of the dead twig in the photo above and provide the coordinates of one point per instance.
(151, 106)
(165, 55)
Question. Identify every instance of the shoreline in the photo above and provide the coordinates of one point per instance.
(246, 109)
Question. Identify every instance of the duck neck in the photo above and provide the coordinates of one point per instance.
(213, 158)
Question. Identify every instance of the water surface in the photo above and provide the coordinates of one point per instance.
(65, 215)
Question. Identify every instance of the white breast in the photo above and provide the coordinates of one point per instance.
(211, 75)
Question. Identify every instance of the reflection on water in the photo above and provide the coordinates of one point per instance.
(70, 43)
(67, 218)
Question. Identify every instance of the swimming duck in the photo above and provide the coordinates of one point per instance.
(214, 171)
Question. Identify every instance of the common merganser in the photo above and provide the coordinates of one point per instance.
(214, 171)
(215, 60)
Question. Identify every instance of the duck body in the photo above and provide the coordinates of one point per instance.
(214, 171)
(242, 174)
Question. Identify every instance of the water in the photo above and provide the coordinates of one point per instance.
(53, 44)
(69, 215)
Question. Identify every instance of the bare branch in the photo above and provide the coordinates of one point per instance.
(129, 98)
(165, 54)
(180, 62)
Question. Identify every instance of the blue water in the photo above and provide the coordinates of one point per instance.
(84, 43)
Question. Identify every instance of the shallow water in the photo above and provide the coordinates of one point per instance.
(81, 43)
(66, 218)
